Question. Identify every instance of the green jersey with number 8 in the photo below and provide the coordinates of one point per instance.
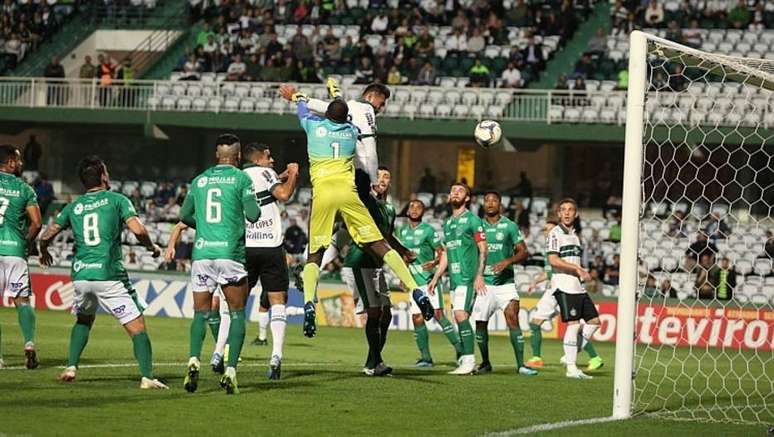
(97, 219)
(217, 202)
(15, 197)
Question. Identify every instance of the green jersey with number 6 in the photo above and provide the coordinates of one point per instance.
(97, 219)
(501, 238)
(216, 201)
(423, 241)
(461, 236)
(15, 197)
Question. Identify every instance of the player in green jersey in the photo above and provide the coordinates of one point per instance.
(547, 309)
(506, 248)
(426, 244)
(97, 219)
(20, 223)
(364, 275)
(465, 257)
(218, 202)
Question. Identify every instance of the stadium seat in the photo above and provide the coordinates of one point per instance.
(179, 90)
(263, 106)
(214, 104)
(246, 105)
(231, 105)
(184, 104)
(168, 103)
(762, 267)
(477, 111)
(427, 110)
(461, 111)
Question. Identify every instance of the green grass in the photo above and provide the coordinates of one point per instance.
(321, 393)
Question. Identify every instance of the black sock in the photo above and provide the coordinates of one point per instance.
(374, 343)
(384, 326)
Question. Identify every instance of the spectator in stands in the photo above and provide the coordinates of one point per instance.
(274, 46)
(724, 279)
(674, 33)
(476, 42)
(295, 238)
(478, 75)
(192, 69)
(758, 22)
(768, 248)
(654, 14)
(182, 192)
(598, 265)
(622, 84)
(612, 271)
(55, 93)
(33, 151)
(597, 44)
(253, 69)
(425, 46)
(45, 192)
(125, 74)
(456, 44)
(584, 68)
(615, 229)
(668, 290)
(692, 36)
(677, 80)
(739, 17)
(365, 72)
(701, 246)
(237, 69)
(426, 75)
(88, 70)
(442, 209)
(518, 15)
(579, 92)
(511, 77)
(381, 69)
(394, 77)
(613, 203)
(211, 53)
(677, 225)
(706, 273)
(717, 228)
(618, 16)
(171, 211)
(137, 200)
(380, 23)
(533, 56)
(204, 35)
(301, 48)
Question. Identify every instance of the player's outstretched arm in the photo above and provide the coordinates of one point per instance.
(562, 266)
(36, 223)
(187, 212)
(45, 240)
(541, 278)
(141, 232)
(284, 191)
(174, 237)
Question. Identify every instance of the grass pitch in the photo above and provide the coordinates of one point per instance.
(321, 392)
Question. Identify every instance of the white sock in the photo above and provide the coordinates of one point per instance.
(571, 345)
(263, 322)
(587, 332)
(278, 323)
(330, 254)
(225, 324)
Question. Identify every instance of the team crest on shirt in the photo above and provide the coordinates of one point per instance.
(573, 312)
(499, 236)
(78, 209)
(321, 131)
(201, 182)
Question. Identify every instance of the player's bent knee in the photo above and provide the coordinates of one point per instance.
(278, 298)
(438, 315)
(135, 326)
(461, 316)
(418, 319)
(594, 321)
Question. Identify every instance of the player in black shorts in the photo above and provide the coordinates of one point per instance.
(266, 258)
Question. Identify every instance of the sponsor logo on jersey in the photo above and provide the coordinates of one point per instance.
(9, 243)
(502, 225)
(201, 243)
(80, 265)
(10, 192)
(83, 207)
(16, 286)
(201, 280)
(321, 131)
(201, 182)
(78, 210)
(119, 311)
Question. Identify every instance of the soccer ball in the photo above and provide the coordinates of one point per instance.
(488, 133)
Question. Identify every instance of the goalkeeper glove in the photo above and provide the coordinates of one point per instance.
(299, 97)
(333, 88)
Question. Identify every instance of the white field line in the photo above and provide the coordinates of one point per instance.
(253, 364)
(551, 426)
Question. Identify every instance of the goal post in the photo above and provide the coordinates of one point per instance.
(695, 314)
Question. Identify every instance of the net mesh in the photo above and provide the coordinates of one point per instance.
(705, 321)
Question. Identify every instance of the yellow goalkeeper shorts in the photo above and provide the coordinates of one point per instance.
(337, 195)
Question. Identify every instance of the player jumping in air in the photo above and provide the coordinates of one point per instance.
(546, 309)
(266, 257)
(331, 144)
(217, 205)
(20, 223)
(506, 248)
(98, 274)
(365, 276)
(564, 255)
(426, 243)
(465, 257)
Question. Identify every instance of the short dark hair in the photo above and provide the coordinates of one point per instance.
(252, 148)
(379, 89)
(463, 185)
(226, 140)
(567, 200)
(337, 111)
(383, 168)
(419, 202)
(8, 152)
(494, 193)
(90, 171)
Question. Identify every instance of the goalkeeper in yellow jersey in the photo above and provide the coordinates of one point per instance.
(331, 144)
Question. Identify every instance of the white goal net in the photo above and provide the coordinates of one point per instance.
(704, 299)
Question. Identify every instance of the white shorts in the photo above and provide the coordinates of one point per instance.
(546, 307)
(14, 277)
(208, 274)
(113, 296)
(496, 297)
(369, 290)
(436, 299)
(463, 298)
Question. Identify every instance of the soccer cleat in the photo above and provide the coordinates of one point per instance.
(218, 363)
(577, 374)
(526, 371)
(484, 368)
(382, 370)
(191, 381)
(467, 366)
(535, 362)
(368, 372)
(595, 364)
(30, 357)
(229, 381)
(152, 384)
(310, 320)
(275, 368)
(563, 360)
(424, 363)
(423, 303)
(333, 88)
(260, 341)
(68, 375)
